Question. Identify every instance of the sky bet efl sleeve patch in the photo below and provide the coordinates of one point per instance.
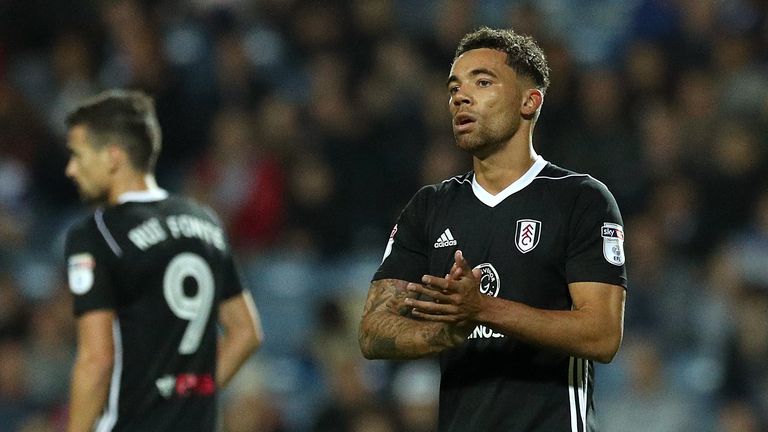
(80, 272)
(613, 243)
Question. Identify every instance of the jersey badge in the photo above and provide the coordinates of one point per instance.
(446, 239)
(80, 272)
(489, 280)
(490, 284)
(527, 234)
(613, 243)
(185, 385)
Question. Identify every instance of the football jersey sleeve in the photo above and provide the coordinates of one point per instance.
(595, 252)
(405, 257)
(233, 283)
(232, 279)
(88, 263)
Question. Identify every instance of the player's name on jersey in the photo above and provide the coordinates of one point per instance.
(152, 231)
(483, 332)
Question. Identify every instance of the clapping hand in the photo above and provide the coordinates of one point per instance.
(456, 298)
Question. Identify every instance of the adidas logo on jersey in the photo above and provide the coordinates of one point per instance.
(446, 239)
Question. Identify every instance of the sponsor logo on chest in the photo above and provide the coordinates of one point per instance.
(445, 240)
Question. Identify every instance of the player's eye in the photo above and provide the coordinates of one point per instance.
(484, 83)
(453, 89)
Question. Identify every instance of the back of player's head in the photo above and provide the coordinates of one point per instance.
(523, 53)
(123, 117)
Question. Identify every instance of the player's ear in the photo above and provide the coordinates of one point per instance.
(532, 100)
(116, 156)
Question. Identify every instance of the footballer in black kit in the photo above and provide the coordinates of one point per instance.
(163, 321)
(163, 264)
(550, 228)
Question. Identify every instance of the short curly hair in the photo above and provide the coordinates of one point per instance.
(523, 53)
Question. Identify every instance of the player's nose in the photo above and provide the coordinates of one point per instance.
(460, 97)
(70, 169)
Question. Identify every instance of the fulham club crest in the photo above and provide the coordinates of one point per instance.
(527, 234)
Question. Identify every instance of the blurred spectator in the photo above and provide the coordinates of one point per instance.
(746, 374)
(14, 310)
(737, 416)
(662, 146)
(674, 204)
(312, 220)
(651, 402)
(20, 138)
(373, 21)
(248, 406)
(663, 284)
(348, 408)
(603, 130)
(50, 350)
(242, 181)
(415, 390)
(696, 103)
(736, 168)
(373, 418)
(353, 404)
(73, 68)
(14, 405)
(647, 71)
(750, 245)
(237, 82)
(743, 85)
(452, 19)
(441, 161)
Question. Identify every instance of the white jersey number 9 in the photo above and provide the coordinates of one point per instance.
(196, 308)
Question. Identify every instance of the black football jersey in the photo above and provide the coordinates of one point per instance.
(162, 264)
(549, 228)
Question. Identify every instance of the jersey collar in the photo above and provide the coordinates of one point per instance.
(143, 196)
(493, 200)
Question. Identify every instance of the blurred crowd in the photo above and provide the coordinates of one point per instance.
(309, 124)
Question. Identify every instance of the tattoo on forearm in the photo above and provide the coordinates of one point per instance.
(439, 337)
(383, 345)
(391, 334)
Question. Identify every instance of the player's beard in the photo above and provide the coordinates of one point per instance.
(482, 142)
(95, 197)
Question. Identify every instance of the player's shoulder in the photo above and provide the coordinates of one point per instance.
(165, 204)
(86, 232)
(568, 180)
(84, 225)
(453, 184)
(445, 188)
(188, 205)
(183, 203)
